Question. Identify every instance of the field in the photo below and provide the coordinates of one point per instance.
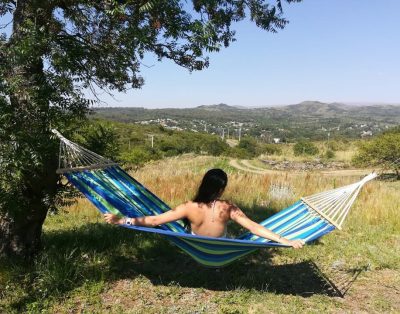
(90, 267)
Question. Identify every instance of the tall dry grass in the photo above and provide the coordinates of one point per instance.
(175, 180)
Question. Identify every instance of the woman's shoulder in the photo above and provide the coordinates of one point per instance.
(226, 204)
(190, 204)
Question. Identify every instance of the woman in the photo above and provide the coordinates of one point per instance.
(207, 215)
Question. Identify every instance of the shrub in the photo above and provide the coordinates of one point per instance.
(305, 148)
(383, 150)
(138, 156)
(215, 146)
(249, 145)
(271, 149)
(329, 154)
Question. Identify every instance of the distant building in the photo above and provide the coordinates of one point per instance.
(276, 140)
(366, 134)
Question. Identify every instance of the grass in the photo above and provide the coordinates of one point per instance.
(343, 153)
(87, 266)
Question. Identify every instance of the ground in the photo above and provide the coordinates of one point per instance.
(365, 294)
(89, 267)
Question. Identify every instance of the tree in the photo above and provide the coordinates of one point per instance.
(60, 48)
(382, 151)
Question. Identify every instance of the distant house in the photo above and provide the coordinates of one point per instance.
(366, 134)
(276, 140)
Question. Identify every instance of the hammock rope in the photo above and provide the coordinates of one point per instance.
(112, 190)
(73, 157)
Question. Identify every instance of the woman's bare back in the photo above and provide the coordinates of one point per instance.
(208, 219)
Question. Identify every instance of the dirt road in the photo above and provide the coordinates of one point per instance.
(245, 165)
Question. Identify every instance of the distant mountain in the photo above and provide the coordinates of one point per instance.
(217, 107)
(307, 119)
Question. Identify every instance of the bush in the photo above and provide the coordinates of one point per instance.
(249, 145)
(329, 154)
(383, 151)
(271, 149)
(305, 148)
(240, 153)
(138, 156)
(338, 144)
(215, 146)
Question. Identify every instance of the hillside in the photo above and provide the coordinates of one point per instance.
(309, 119)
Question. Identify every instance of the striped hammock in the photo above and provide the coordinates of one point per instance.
(112, 190)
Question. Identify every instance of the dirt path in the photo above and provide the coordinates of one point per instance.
(235, 164)
(245, 165)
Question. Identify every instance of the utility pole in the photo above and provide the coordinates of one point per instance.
(223, 134)
(228, 134)
(205, 127)
(240, 132)
(329, 134)
(152, 140)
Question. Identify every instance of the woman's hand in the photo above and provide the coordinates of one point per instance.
(296, 244)
(113, 219)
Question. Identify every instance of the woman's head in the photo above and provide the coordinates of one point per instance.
(212, 186)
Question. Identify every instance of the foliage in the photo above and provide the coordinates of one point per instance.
(138, 156)
(305, 148)
(329, 154)
(382, 151)
(271, 149)
(131, 143)
(249, 145)
(249, 148)
(100, 137)
(338, 144)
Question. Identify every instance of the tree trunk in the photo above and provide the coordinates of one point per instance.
(21, 236)
(35, 181)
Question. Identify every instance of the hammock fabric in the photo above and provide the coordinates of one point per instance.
(112, 190)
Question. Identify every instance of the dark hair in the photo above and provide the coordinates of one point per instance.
(213, 182)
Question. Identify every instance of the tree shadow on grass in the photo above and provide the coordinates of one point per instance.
(128, 254)
(103, 253)
(303, 279)
(388, 177)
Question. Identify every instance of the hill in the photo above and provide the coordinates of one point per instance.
(309, 119)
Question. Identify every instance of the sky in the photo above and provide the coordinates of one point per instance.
(331, 51)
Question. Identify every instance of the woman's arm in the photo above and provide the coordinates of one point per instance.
(176, 213)
(238, 216)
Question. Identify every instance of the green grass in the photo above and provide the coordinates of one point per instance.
(87, 266)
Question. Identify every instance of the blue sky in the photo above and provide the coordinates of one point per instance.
(341, 50)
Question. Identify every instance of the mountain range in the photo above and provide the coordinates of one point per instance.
(310, 119)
